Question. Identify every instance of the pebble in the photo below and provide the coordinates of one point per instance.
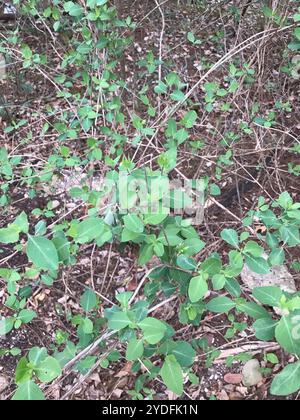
(278, 276)
(251, 373)
(223, 396)
(55, 204)
(3, 383)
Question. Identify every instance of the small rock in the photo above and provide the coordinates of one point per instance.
(63, 300)
(251, 373)
(40, 297)
(229, 387)
(3, 383)
(233, 378)
(242, 390)
(278, 276)
(55, 204)
(9, 9)
(235, 396)
(223, 396)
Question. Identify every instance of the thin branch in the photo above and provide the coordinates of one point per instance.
(160, 46)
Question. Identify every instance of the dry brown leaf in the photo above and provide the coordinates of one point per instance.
(233, 378)
(125, 371)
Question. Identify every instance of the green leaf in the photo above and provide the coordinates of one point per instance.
(254, 249)
(220, 305)
(181, 136)
(17, 324)
(47, 280)
(297, 33)
(28, 391)
(172, 375)
(26, 316)
(85, 364)
(89, 230)
(37, 355)
(67, 354)
(155, 219)
(87, 326)
(42, 253)
(133, 223)
(265, 328)
(146, 253)
(277, 257)
(26, 52)
(293, 304)
(135, 349)
(287, 333)
(6, 325)
(294, 214)
(184, 353)
(272, 358)
(88, 300)
(287, 381)
(257, 264)
(62, 246)
(128, 235)
(269, 218)
(177, 96)
(236, 264)
(15, 351)
(171, 129)
(168, 160)
(271, 240)
(124, 298)
(173, 79)
(73, 9)
(193, 245)
(231, 237)
(118, 321)
(290, 235)
(232, 286)
(48, 369)
(21, 222)
(218, 281)
(189, 120)
(23, 371)
(169, 238)
(153, 330)
(161, 88)
(191, 37)
(93, 3)
(214, 190)
(253, 309)
(186, 263)
(211, 266)
(159, 249)
(197, 288)
(268, 295)
(9, 235)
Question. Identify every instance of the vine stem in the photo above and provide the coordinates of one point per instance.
(160, 47)
(142, 282)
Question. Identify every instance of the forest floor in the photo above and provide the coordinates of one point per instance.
(259, 166)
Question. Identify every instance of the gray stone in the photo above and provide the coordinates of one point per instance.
(251, 373)
(278, 276)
